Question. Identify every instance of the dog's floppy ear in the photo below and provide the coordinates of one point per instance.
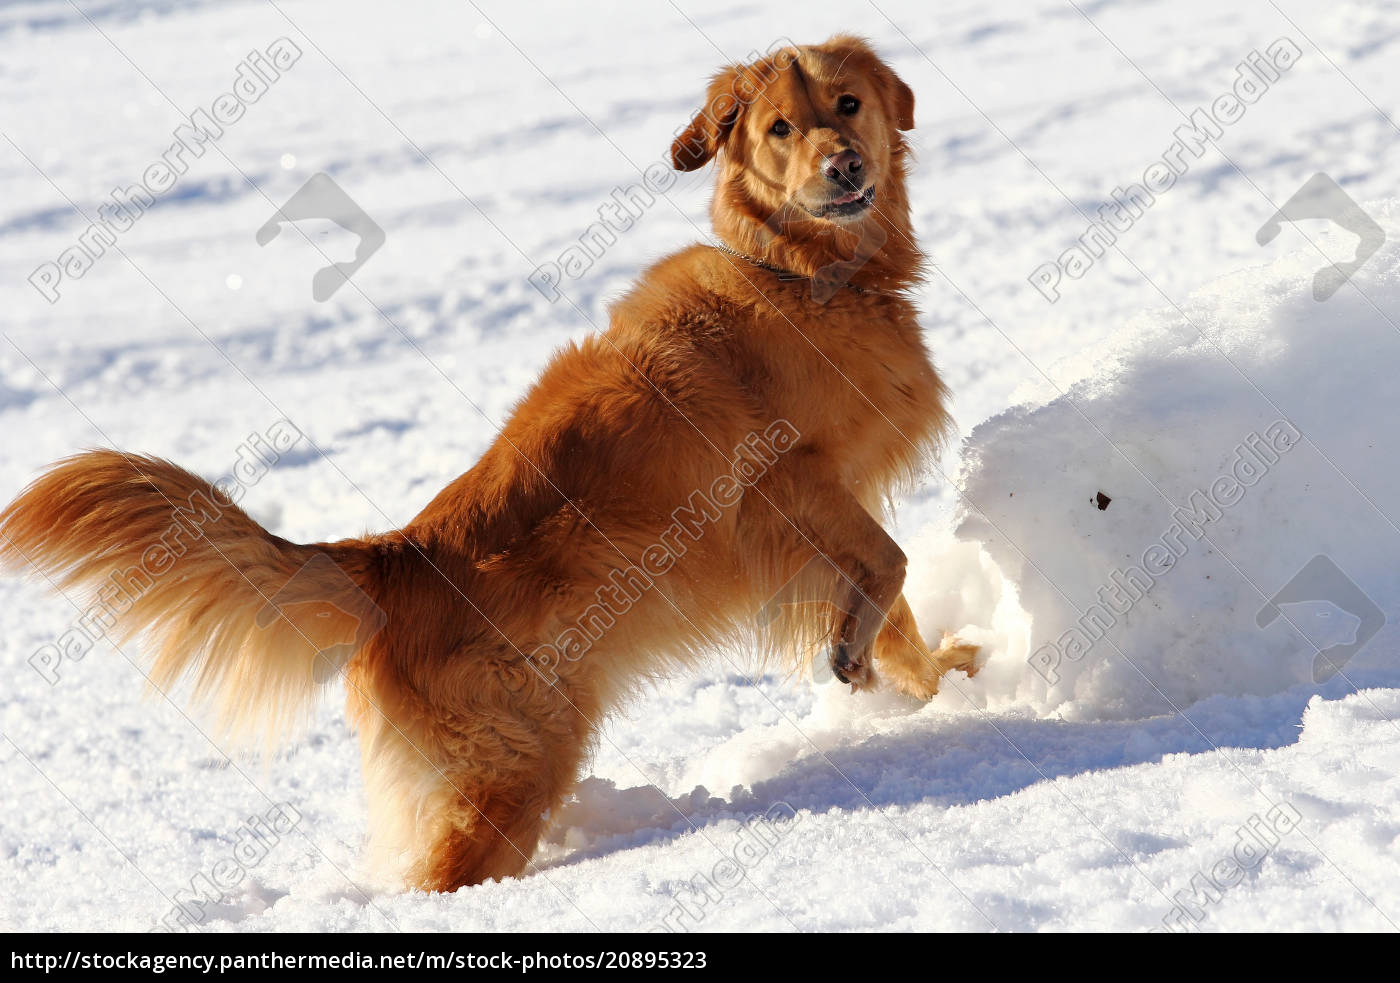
(701, 139)
(900, 97)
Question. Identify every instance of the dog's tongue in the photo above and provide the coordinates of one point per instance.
(847, 198)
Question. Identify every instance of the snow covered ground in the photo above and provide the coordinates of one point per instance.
(1130, 757)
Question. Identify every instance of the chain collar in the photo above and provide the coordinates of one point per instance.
(790, 275)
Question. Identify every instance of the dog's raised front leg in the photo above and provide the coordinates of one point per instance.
(836, 530)
(906, 661)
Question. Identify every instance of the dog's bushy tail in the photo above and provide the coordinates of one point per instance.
(255, 622)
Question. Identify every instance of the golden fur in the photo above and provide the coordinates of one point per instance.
(477, 702)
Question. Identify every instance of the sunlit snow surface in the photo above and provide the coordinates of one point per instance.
(482, 140)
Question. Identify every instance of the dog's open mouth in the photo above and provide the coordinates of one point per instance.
(851, 203)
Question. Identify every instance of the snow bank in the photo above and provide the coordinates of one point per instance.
(1234, 440)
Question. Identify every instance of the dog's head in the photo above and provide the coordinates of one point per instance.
(809, 145)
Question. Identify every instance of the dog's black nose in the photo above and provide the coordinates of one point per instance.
(844, 169)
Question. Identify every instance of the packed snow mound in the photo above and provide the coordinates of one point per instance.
(1242, 445)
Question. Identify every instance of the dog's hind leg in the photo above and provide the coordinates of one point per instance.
(455, 798)
(465, 791)
(440, 822)
(485, 831)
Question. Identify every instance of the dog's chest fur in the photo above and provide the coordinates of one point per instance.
(855, 379)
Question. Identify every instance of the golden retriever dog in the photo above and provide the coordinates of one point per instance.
(709, 473)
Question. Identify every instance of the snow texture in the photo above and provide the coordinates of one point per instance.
(1171, 764)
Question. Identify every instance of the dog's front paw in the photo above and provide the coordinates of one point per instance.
(915, 670)
(852, 667)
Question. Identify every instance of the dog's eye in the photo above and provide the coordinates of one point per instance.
(848, 105)
(780, 128)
